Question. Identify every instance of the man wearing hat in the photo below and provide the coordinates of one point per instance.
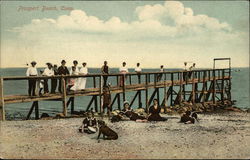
(62, 70)
(32, 71)
(47, 72)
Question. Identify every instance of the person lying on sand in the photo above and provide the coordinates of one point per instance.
(108, 133)
(189, 118)
(127, 111)
(89, 124)
(154, 112)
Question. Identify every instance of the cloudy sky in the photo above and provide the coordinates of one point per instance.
(153, 33)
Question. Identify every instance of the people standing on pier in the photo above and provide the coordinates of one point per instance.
(82, 81)
(47, 72)
(185, 71)
(75, 63)
(191, 68)
(32, 71)
(105, 70)
(123, 70)
(54, 81)
(62, 70)
(159, 76)
(138, 70)
(154, 112)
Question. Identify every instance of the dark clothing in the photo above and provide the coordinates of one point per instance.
(134, 116)
(46, 87)
(105, 70)
(89, 122)
(62, 71)
(53, 85)
(155, 114)
(107, 101)
(54, 82)
(32, 87)
(185, 118)
(159, 77)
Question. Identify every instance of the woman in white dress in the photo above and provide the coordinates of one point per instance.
(123, 70)
(73, 82)
(82, 81)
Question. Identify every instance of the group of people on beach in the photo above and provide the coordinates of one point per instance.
(90, 124)
(75, 84)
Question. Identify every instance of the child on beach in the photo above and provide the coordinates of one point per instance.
(89, 124)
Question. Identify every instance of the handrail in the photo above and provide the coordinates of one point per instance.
(99, 74)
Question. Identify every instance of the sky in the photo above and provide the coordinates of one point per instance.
(153, 33)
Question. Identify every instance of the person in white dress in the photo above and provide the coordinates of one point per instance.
(75, 63)
(82, 81)
(73, 82)
(123, 70)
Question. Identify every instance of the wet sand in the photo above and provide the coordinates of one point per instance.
(221, 135)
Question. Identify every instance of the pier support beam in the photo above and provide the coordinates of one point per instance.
(146, 94)
(214, 89)
(34, 105)
(64, 97)
(2, 110)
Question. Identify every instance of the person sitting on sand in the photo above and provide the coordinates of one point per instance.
(189, 118)
(154, 112)
(89, 124)
(127, 111)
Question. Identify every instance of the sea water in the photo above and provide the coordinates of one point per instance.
(240, 91)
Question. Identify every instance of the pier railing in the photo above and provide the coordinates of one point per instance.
(219, 81)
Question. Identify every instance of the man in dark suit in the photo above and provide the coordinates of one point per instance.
(62, 70)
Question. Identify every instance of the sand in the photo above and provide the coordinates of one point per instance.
(221, 135)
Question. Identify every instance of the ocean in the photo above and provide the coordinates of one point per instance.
(240, 92)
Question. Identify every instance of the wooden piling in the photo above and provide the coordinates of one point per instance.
(2, 109)
(139, 100)
(124, 88)
(146, 94)
(36, 110)
(193, 91)
(64, 96)
(119, 101)
(222, 86)
(172, 84)
(214, 83)
(100, 94)
(72, 103)
(181, 83)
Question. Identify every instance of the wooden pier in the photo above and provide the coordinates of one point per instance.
(216, 86)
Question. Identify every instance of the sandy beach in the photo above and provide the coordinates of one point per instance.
(216, 135)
